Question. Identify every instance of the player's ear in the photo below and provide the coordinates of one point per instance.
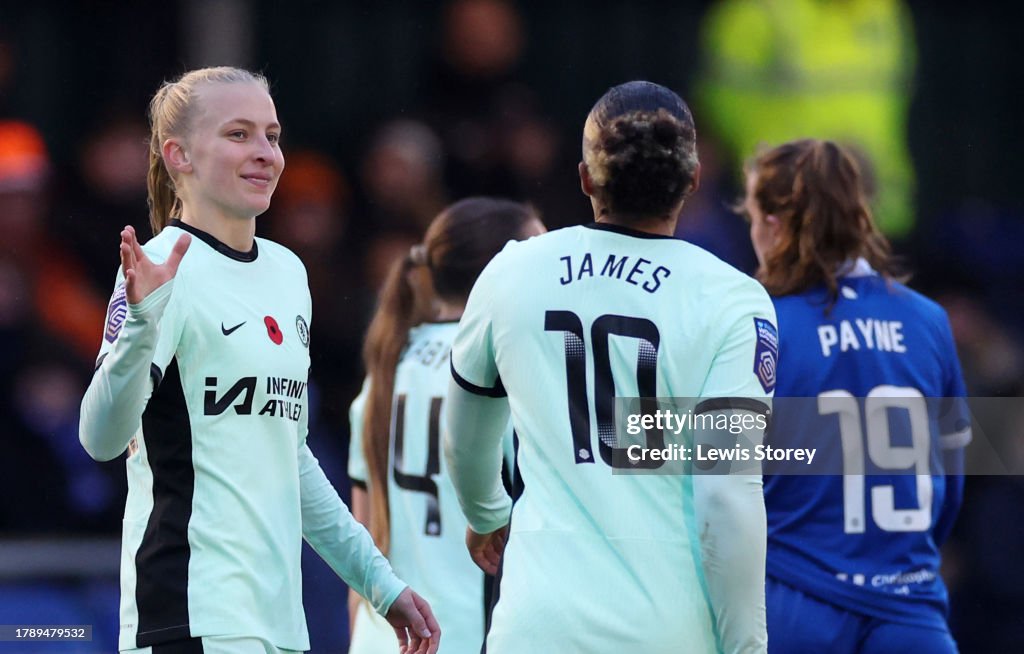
(586, 183)
(696, 181)
(175, 156)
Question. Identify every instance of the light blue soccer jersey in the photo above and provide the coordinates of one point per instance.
(867, 542)
(221, 484)
(428, 530)
(563, 323)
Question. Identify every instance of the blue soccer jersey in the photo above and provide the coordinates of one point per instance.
(868, 540)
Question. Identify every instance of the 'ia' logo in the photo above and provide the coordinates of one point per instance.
(214, 407)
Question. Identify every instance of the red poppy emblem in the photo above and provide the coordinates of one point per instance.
(273, 331)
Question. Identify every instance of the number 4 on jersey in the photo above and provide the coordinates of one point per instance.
(420, 484)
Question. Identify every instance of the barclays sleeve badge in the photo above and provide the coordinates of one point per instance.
(766, 355)
(117, 311)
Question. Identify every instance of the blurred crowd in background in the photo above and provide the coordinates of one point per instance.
(391, 112)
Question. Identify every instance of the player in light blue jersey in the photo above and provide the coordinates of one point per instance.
(557, 327)
(853, 559)
(401, 489)
(202, 378)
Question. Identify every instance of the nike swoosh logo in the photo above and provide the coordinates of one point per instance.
(226, 331)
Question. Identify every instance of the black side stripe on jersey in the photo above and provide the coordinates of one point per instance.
(190, 646)
(99, 361)
(498, 390)
(725, 403)
(161, 563)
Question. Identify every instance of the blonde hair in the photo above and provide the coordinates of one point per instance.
(171, 112)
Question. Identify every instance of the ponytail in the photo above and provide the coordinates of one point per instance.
(400, 308)
(162, 200)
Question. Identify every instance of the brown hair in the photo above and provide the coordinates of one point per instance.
(815, 190)
(460, 241)
(643, 156)
(171, 112)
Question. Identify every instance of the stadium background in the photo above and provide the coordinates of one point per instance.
(389, 111)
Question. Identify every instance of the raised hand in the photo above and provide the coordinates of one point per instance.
(486, 549)
(141, 275)
(414, 623)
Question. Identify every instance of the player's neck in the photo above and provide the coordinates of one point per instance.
(236, 233)
(449, 311)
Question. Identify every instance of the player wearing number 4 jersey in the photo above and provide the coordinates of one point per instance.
(555, 328)
(853, 560)
(401, 489)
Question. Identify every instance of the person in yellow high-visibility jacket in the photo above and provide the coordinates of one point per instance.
(775, 70)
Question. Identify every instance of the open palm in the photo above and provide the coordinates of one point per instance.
(141, 275)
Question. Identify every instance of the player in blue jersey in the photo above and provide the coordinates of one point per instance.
(202, 378)
(853, 559)
(401, 489)
(598, 559)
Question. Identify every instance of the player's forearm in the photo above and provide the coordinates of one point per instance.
(473, 451)
(116, 397)
(341, 541)
(731, 521)
(732, 525)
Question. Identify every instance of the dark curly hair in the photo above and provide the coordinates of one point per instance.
(640, 148)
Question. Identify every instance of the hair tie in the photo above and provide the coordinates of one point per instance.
(418, 254)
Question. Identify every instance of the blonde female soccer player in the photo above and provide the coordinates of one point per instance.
(202, 377)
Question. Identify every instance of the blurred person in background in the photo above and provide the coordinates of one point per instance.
(221, 489)
(108, 190)
(853, 559)
(46, 304)
(66, 303)
(480, 52)
(533, 166)
(776, 70)
(403, 178)
(398, 417)
(709, 222)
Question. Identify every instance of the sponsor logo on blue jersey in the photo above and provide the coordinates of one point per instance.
(766, 355)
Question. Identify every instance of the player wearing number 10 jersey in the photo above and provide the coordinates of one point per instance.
(400, 484)
(554, 329)
(853, 560)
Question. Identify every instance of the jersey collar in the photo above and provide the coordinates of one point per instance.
(209, 239)
(619, 229)
(858, 267)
